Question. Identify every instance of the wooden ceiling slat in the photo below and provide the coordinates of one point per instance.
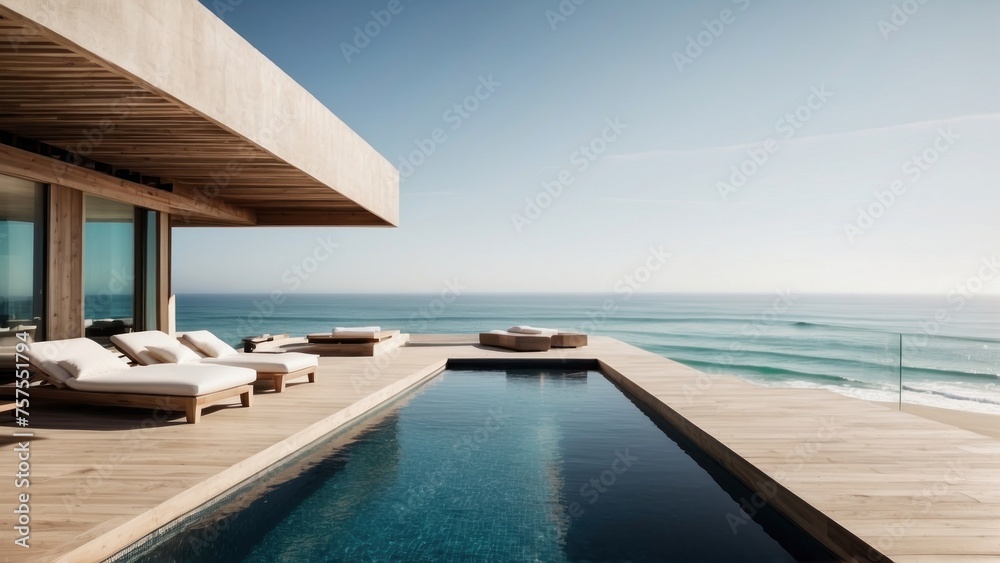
(51, 94)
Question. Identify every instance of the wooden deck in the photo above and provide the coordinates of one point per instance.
(853, 473)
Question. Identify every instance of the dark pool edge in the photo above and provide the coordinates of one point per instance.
(842, 542)
(234, 478)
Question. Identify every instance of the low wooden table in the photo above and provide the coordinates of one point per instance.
(250, 342)
(349, 338)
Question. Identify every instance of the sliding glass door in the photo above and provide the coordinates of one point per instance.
(108, 267)
(22, 258)
(120, 268)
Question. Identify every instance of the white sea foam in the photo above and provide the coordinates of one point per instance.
(955, 396)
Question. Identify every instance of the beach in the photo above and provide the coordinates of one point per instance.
(980, 423)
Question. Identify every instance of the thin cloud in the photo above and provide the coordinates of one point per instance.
(431, 194)
(859, 133)
(660, 201)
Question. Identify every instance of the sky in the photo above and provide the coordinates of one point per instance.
(736, 146)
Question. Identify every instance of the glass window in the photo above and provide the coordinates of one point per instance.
(22, 258)
(108, 268)
(150, 277)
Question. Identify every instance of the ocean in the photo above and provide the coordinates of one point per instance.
(850, 344)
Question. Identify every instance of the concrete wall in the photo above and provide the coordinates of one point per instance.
(182, 50)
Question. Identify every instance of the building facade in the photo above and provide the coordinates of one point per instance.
(120, 121)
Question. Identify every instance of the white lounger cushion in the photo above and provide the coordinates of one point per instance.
(90, 365)
(48, 355)
(167, 379)
(285, 362)
(136, 345)
(209, 344)
(175, 353)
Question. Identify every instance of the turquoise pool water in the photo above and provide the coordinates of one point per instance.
(497, 466)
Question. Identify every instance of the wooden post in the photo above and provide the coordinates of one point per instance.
(64, 291)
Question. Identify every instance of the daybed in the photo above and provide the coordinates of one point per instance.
(530, 339)
(82, 371)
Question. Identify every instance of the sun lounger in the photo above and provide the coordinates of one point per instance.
(82, 371)
(531, 339)
(153, 347)
(515, 341)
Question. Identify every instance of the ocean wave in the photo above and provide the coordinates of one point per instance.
(956, 393)
(938, 373)
(783, 374)
(772, 356)
(968, 396)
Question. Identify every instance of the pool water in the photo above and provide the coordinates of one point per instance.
(498, 466)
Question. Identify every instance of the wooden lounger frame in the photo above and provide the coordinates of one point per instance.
(280, 377)
(191, 406)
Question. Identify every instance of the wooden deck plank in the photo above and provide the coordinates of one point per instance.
(919, 490)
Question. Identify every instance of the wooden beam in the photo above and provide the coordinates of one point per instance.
(207, 198)
(64, 289)
(319, 218)
(163, 266)
(31, 166)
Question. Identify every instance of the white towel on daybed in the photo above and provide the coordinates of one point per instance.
(364, 329)
(525, 329)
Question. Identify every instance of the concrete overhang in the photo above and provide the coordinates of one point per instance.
(165, 88)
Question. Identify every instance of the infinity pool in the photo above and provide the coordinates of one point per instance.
(495, 466)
